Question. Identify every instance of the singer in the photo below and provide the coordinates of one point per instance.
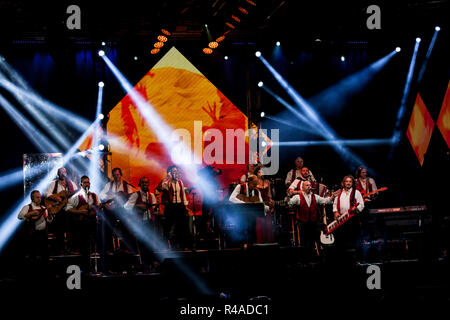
(82, 206)
(174, 199)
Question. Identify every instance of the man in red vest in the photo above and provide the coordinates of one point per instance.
(308, 215)
(80, 205)
(175, 212)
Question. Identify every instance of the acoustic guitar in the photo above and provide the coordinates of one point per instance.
(252, 199)
(38, 213)
(117, 200)
(91, 211)
(55, 206)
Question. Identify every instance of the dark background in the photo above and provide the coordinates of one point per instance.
(62, 65)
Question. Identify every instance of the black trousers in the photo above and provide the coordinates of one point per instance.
(309, 234)
(177, 228)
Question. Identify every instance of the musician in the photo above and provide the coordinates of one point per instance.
(61, 223)
(143, 204)
(249, 189)
(296, 186)
(141, 201)
(118, 184)
(174, 199)
(83, 205)
(119, 190)
(264, 229)
(37, 218)
(346, 199)
(296, 172)
(308, 216)
(365, 184)
(250, 171)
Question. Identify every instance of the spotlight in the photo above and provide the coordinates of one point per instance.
(206, 25)
(258, 53)
(262, 114)
(101, 53)
(263, 144)
(398, 49)
(342, 58)
(135, 58)
(101, 116)
(278, 43)
(418, 39)
(101, 84)
(103, 43)
(226, 57)
(260, 84)
(101, 147)
(437, 28)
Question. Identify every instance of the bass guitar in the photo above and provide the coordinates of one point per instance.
(365, 195)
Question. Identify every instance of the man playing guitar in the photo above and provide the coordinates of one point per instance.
(58, 192)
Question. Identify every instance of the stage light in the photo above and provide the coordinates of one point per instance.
(221, 38)
(162, 38)
(230, 25)
(314, 118)
(207, 51)
(167, 33)
(206, 25)
(101, 116)
(158, 45)
(235, 18)
(243, 10)
(260, 84)
(258, 54)
(103, 43)
(262, 114)
(398, 49)
(402, 108)
(213, 45)
(278, 43)
(101, 84)
(418, 39)
(342, 58)
(101, 147)
(154, 51)
(437, 28)
(135, 58)
(101, 53)
(263, 144)
(226, 57)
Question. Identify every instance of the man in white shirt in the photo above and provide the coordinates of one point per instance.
(296, 172)
(61, 224)
(365, 184)
(116, 186)
(175, 212)
(308, 215)
(83, 206)
(296, 186)
(36, 218)
(348, 198)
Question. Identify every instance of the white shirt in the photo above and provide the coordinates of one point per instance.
(40, 223)
(298, 174)
(345, 201)
(248, 193)
(59, 188)
(179, 196)
(146, 196)
(74, 201)
(295, 200)
(294, 184)
(364, 183)
(111, 187)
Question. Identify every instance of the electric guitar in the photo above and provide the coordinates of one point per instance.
(326, 238)
(343, 218)
(365, 195)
